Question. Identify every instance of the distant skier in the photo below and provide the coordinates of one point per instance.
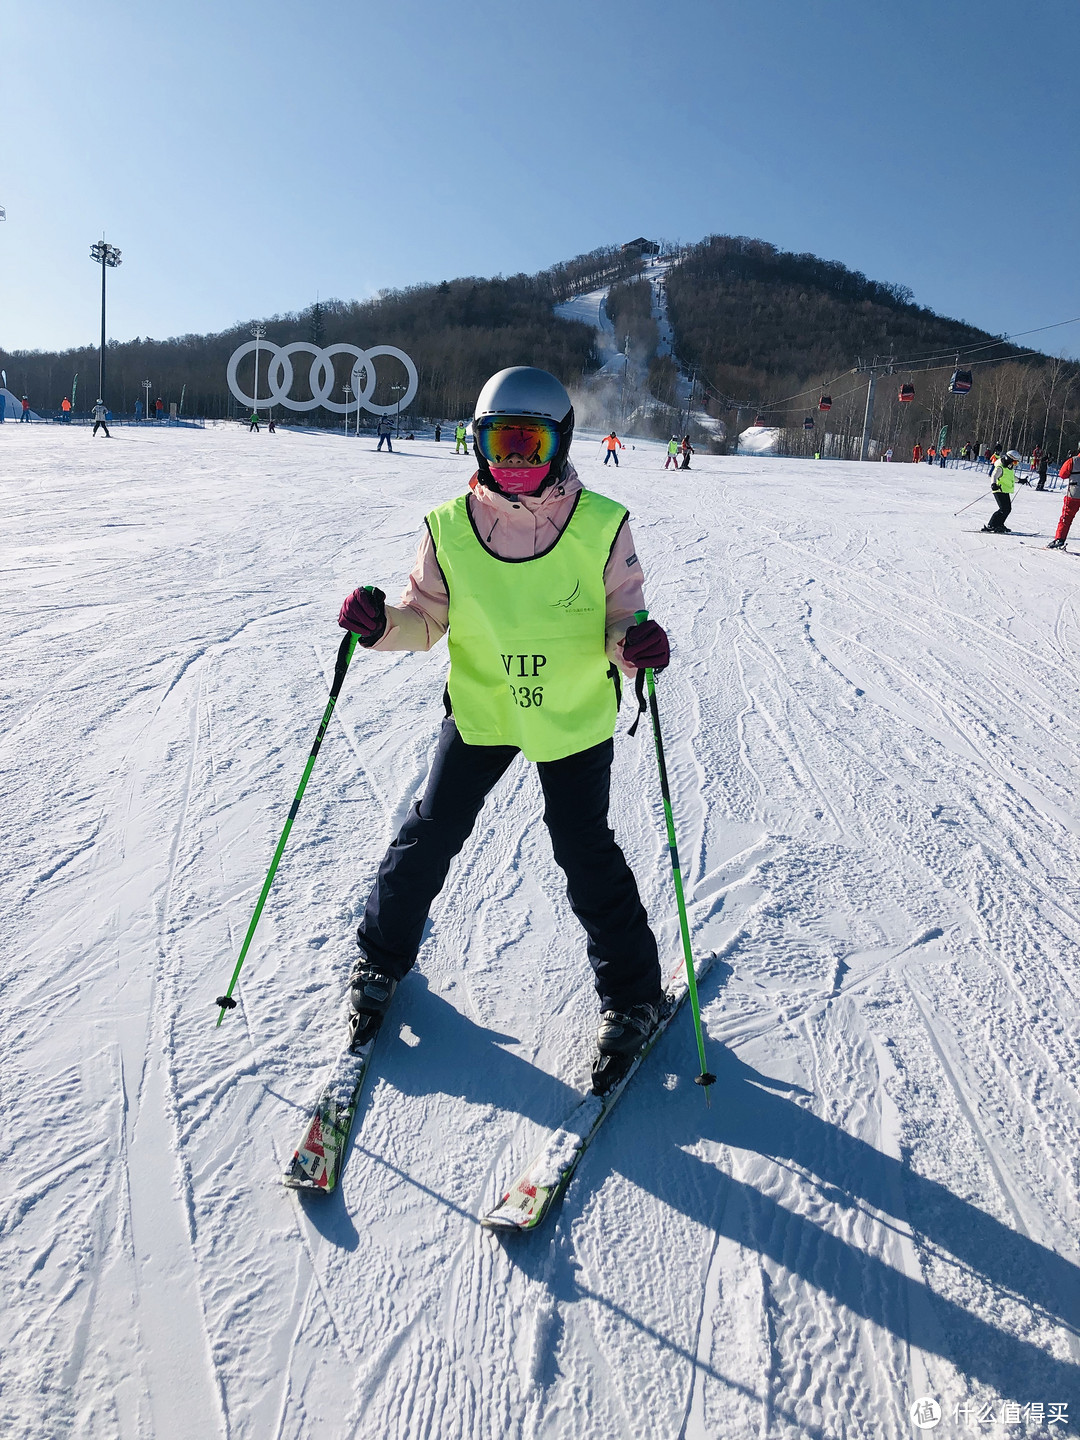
(99, 421)
(65, 410)
(271, 427)
(385, 430)
(438, 432)
(672, 453)
(253, 423)
(25, 416)
(943, 458)
(1070, 473)
(1044, 465)
(460, 435)
(887, 457)
(916, 454)
(535, 582)
(686, 450)
(614, 445)
(1003, 483)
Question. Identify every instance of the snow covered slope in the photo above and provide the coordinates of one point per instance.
(872, 730)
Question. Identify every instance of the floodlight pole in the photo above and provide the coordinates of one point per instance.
(348, 395)
(259, 333)
(108, 257)
(147, 385)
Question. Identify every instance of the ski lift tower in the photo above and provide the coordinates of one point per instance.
(882, 368)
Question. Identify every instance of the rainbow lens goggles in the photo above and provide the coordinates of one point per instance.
(532, 441)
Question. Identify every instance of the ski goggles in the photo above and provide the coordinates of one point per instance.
(533, 441)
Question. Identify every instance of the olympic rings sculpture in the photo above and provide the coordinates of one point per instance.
(321, 376)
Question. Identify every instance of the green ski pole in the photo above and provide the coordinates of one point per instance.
(704, 1079)
(344, 655)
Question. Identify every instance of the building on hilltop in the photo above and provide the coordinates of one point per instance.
(640, 246)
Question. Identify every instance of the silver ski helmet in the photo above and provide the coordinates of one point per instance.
(523, 390)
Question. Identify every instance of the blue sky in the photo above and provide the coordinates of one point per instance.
(246, 156)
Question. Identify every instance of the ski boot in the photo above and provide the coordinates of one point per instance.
(369, 999)
(1056, 545)
(620, 1038)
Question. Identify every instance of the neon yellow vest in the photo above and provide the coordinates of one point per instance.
(1007, 479)
(526, 637)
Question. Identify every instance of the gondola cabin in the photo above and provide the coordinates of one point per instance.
(808, 423)
(760, 420)
(960, 383)
(825, 403)
(907, 394)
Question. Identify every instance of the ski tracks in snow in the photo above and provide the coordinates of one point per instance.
(870, 740)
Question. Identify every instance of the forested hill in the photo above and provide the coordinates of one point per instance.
(757, 326)
(458, 332)
(753, 319)
(761, 327)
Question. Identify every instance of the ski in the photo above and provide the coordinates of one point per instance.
(316, 1162)
(1008, 534)
(544, 1180)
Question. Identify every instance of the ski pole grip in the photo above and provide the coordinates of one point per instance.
(344, 655)
(640, 616)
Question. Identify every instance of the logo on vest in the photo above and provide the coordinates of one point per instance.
(568, 603)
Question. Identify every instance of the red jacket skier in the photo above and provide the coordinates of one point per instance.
(1070, 505)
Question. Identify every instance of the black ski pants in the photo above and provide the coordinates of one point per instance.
(599, 884)
(1001, 514)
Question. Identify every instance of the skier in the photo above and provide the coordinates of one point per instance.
(887, 457)
(614, 445)
(460, 433)
(438, 432)
(65, 410)
(672, 452)
(943, 458)
(25, 411)
(1070, 473)
(253, 423)
(687, 450)
(916, 454)
(385, 430)
(1003, 483)
(99, 419)
(535, 581)
(1044, 465)
(271, 428)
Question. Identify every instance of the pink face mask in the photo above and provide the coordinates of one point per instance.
(519, 479)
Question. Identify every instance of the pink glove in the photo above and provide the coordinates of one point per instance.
(364, 612)
(646, 646)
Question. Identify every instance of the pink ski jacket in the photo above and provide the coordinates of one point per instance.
(514, 528)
